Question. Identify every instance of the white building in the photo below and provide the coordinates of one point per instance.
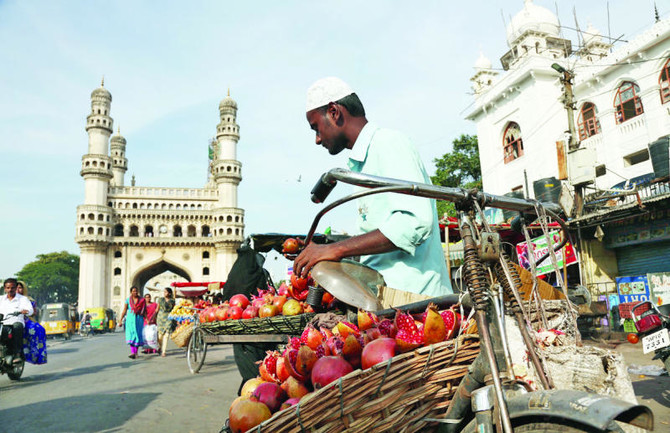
(622, 105)
(130, 234)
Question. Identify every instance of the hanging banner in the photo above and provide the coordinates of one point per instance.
(632, 289)
(540, 248)
(659, 287)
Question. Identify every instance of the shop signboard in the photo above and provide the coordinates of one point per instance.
(540, 248)
(659, 287)
(632, 289)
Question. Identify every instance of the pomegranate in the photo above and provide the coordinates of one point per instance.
(291, 363)
(268, 310)
(282, 290)
(290, 246)
(377, 351)
(247, 414)
(434, 329)
(268, 367)
(249, 386)
(279, 301)
(294, 388)
(371, 334)
(234, 313)
(352, 350)
(270, 394)
(239, 300)
(346, 328)
(335, 345)
(258, 302)
(222, 313)
(451, 322)
(387, 328)
(292, 308)
(211, 314)
(288, 403)
(408, 336)
(306, 359)
(250, 312)
(298, 284)
(366, 320)
(311, 337)
(329, 369)
(281, 370)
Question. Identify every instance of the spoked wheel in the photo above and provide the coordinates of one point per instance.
(550, 426)
(197, 349)
(16, 371)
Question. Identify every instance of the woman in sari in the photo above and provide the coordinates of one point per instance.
(165, 306)
(134, 311)
(150, 330)
(34, 335)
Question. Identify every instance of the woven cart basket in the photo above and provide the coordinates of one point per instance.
(291, 325)
(397, 395)
(182, 335)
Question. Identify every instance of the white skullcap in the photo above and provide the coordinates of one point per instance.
(325, 91)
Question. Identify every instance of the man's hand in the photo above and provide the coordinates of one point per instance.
(23, 311)
(313, 254)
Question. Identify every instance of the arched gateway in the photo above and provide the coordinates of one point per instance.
(130, 234)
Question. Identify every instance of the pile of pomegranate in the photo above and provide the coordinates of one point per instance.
(287, 300)
(321, 356)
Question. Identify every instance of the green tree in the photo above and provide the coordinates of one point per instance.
(458, 168)
(53, 277)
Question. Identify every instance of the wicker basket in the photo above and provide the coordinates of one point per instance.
(182, 335)
(397, 395)
(291, 325)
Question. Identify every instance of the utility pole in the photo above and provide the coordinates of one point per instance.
(573, 144)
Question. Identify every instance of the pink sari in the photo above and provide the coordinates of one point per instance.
(152, 313)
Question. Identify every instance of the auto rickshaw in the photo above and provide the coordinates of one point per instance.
(58, 319)
(111, 320)
(99, 319)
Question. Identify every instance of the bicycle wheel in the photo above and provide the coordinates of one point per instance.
(549, 426)
(197, 349)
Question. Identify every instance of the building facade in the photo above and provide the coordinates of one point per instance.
(621, 108)
(131, 234)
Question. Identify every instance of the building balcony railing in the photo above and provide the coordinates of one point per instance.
(639, 190)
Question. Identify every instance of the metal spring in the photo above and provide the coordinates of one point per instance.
(473, 271)
(505, 283)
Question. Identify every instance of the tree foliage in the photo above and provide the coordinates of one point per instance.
(53, 277)
(459, 168)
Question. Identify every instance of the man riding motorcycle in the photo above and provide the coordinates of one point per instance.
(11, 302)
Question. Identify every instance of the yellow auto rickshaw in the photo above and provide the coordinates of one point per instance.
(58, 319)
(111, 320)
(99, 319)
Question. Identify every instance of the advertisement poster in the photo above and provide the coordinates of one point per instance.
(540, 248)
(659, 287)
(632, 289)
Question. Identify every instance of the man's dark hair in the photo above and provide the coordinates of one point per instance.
(352, 103)
(11, 280)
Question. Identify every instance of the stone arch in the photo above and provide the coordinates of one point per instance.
(144, 274)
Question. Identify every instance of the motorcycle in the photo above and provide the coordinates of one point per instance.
(13, 370)
(652, 324)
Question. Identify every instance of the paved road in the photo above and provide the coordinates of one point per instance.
(90, 385)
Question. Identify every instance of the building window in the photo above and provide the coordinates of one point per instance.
(627, 102)
(664, 82)
(512, 143)
(117, 271)
(205, 232)
(205, 271)
(588, 123)
(149, 231)
(134, 231)
(190, 231)
(118, 230)
(636, 157)
(601, 170)
(117, 254)
(205, 254)
(176, 231)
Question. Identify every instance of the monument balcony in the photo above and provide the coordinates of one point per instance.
(128, 192)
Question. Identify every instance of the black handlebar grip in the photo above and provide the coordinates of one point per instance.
(323, 187)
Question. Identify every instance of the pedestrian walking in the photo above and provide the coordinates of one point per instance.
(164, 324)
(134, 311)
(150, 330)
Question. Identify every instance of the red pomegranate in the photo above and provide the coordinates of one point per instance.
(239, 300)
(250, 312)
(222, 313)
(329, 369)
(249, 386)
(294, 388)
(377, 351)
(234, 313)
(288, 403)
(247, 414)
(270, 394)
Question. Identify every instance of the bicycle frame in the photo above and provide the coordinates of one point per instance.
(489, 388)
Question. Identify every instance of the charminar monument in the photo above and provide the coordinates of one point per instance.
(131, 234)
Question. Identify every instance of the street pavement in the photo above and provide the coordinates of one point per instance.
(90, 385)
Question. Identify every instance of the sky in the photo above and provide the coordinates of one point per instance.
(168, 64)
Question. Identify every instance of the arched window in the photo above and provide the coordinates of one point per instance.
(134, 205)
(627, 102)
(117, 254)
(134, 231)
(588, 123)
(100, 230)
(205, 231)
(229, 219)
(117, 271)
(190, 231)
(205, 254)
(149, 231)
(512, 143)
(118, 230)
(205, 271)
(664, 82)
(91, 216)
(90, 230)
(176, 231)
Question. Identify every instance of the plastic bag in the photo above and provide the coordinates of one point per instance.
(150, 334)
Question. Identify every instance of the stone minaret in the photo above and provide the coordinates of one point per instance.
(119, 160)
(94, 216)
(228, 225)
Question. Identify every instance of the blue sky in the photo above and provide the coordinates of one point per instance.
(168, 64)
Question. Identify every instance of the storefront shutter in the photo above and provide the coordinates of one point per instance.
(643, 258)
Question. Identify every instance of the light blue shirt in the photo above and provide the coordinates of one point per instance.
(410, 223)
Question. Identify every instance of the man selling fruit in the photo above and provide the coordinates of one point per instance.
(400, 234)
